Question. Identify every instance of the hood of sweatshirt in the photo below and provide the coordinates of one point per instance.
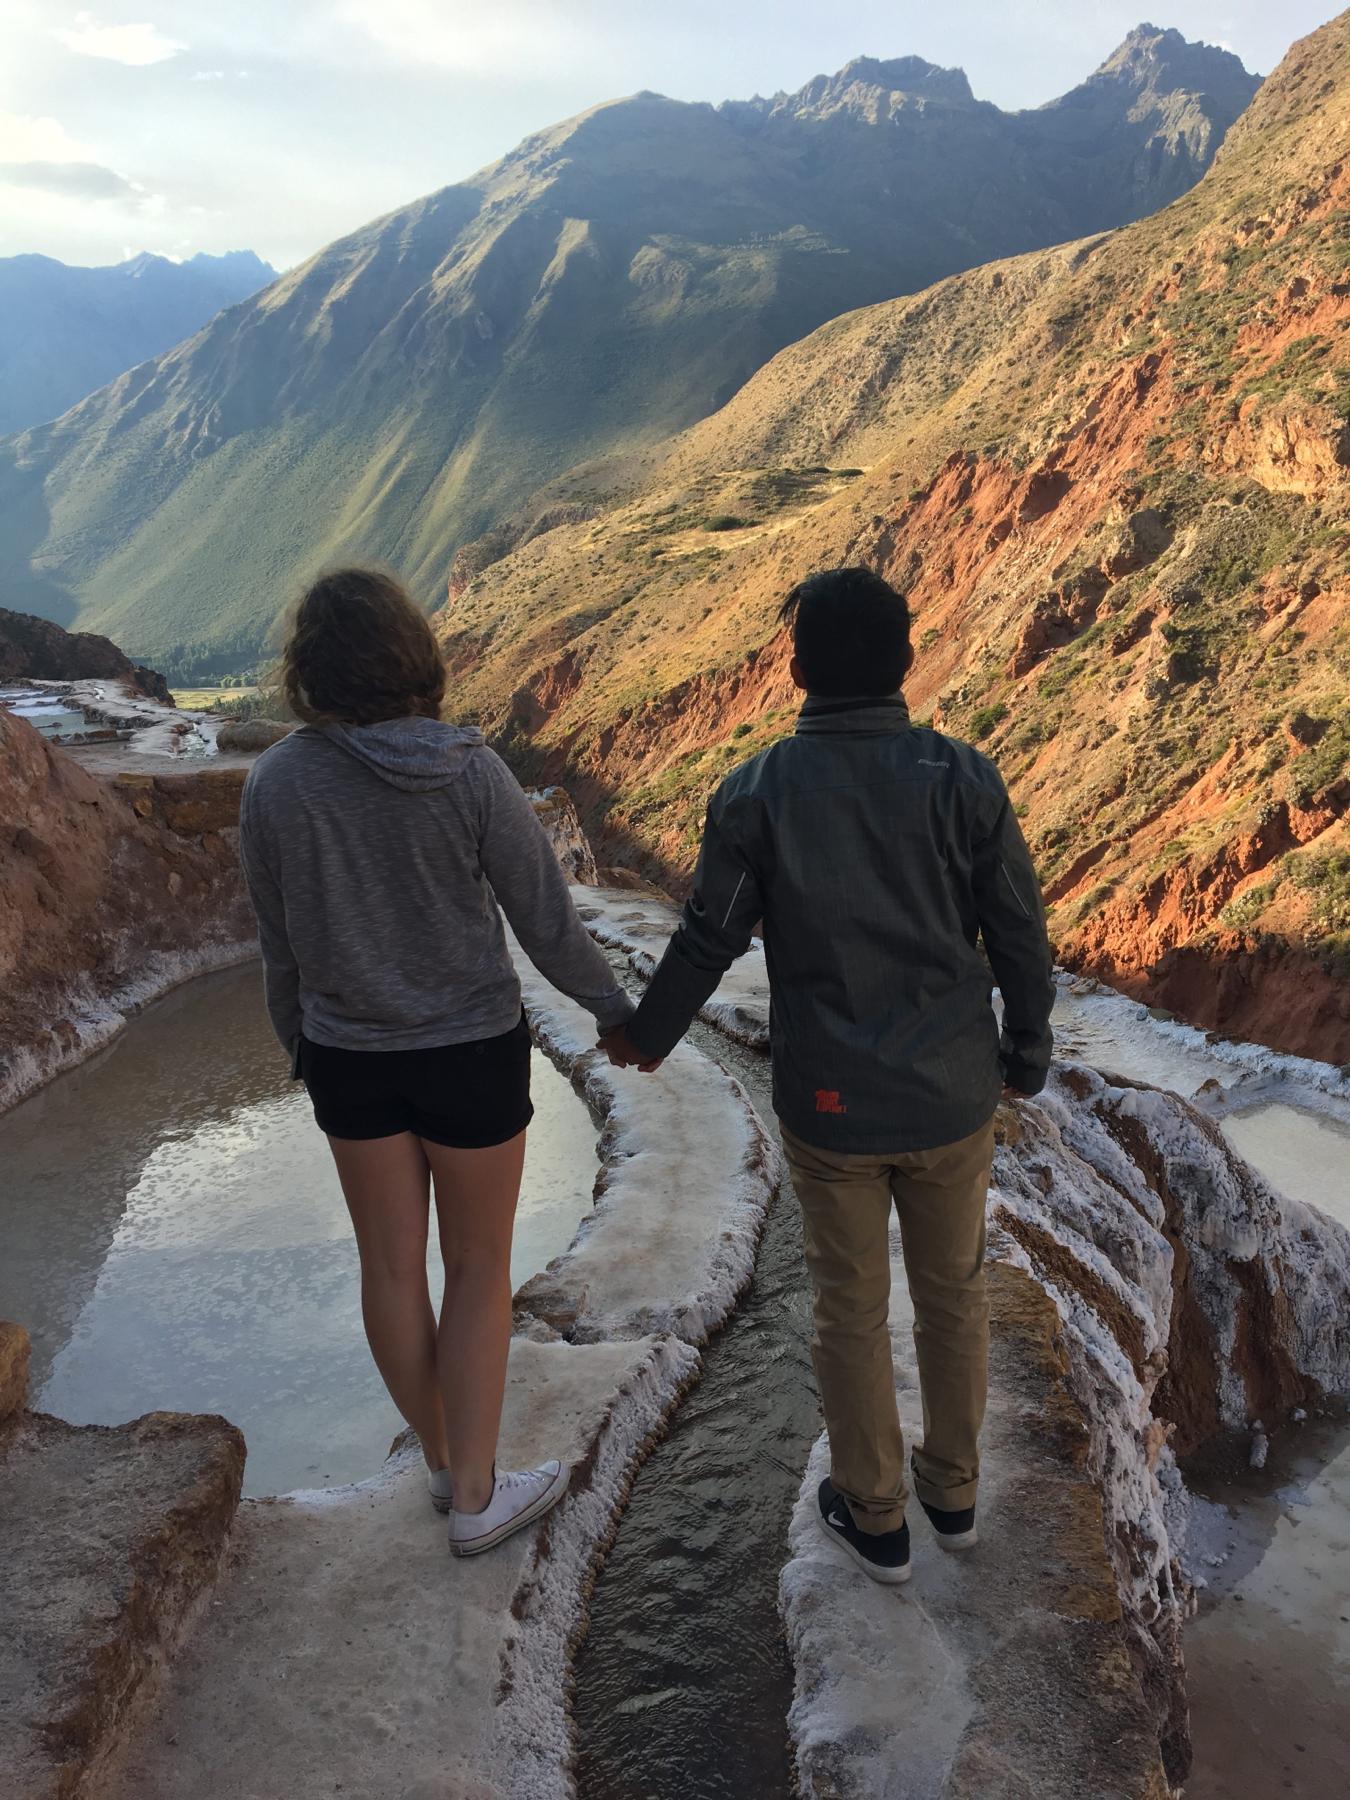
(413, 753)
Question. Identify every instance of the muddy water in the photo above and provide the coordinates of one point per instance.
(175, 1237)
(1268, 1653)
(683, 1683)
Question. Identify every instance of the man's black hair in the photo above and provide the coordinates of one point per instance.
(850, 630)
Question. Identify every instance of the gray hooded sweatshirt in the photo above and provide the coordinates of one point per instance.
(377, 857)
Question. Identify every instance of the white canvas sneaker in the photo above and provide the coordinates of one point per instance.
(518, 1498)
(441, 1490)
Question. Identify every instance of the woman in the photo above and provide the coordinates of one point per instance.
(378, 844)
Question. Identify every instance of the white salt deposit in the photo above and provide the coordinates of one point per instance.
(688, 1174)
(96, 1019)
(640, 926)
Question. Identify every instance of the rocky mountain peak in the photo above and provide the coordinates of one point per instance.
(905, 75)
(1160, 59)
(862, 84)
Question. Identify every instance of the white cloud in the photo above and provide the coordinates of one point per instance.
(39, 153)
(207, 75)
(513, 35)
(25, 137)
(83, 180)
(137, 44)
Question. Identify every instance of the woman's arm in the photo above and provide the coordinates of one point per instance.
(281, 974)
(533, 893)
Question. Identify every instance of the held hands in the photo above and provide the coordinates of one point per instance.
(624, 1053)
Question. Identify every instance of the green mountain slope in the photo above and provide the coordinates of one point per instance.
(615, 278)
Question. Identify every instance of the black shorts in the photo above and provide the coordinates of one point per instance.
(464, 1095)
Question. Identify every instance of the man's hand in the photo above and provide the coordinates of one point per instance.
(624, 1053)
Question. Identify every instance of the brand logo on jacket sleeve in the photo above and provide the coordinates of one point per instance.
(827, 1101)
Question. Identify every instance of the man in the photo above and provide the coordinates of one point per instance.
(877, 854)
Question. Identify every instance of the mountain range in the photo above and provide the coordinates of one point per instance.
(611, 281)
(1113, 478)
(66, 331)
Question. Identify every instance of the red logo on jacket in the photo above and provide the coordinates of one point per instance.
(827, 1101)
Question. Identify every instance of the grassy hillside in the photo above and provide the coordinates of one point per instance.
(1114, 480)
(614, 279)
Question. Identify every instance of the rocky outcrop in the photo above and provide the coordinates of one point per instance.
(556, 812)
(248, 735)
(33, 649)
(110, 892)
(109, 1538)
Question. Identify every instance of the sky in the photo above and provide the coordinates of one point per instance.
(278, 125)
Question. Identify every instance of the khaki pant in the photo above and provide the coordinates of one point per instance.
(846, 1205)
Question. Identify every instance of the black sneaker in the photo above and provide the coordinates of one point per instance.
(882, 1555)
(955, 1530)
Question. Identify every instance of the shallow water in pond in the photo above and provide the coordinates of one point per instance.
(1268, 1653)
(1300, 1153)
(175, 1238)
(1298, 1138)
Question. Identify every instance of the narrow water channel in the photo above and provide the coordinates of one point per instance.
(683, 1683)
(175, 1238)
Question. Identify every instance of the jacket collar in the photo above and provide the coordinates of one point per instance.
(859, 716)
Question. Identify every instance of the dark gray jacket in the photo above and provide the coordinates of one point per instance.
(377, 857)
(877, 855)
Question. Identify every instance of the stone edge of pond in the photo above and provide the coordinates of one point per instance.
(639, 924)
(111, 1540)
(617, 1389)
(89, 1022)
(684, 1157)
(1004, 1668)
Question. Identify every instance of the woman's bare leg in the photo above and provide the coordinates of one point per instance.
(476, 1194)
(385, 1183)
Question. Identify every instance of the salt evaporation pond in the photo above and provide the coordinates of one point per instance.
(1289, 1117)
(175, 1238)
(1268, 1654)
